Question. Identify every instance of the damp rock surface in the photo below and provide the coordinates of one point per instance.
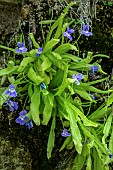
(9, 16)
(13, 158)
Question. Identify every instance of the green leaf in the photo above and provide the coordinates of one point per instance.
(48, 100)
(111, 141)
(110, 100)
(78, 162)
(70, 145)
(57, 56)
(54, 26)
(101, 55)
(76, 136)
(68, 7)
(107, 128)
(93, 89)
(97, 162)
(66, 142)
(97, 81)
(62, 49)
(88, 163)
(2, 97)
(34, 77)
(30, 90)
(7, 48)
(50, 44)
(51, 139)
(61, 109)
(85, 150)
(90, 57)
(8, 70)
(24, 63)
(59, 29)
(3, 79)
(83, 94)
(34, 106)
(82, 116)
(46, 22)
(71, 57)
(85, 131)
(54, 60)
(99, 113)
(36, 45)
(46, 64)
(64, 82)
(99, 146)
(79, 66)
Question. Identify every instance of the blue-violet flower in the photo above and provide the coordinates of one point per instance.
(110, 155)
(40, 50)
(94, 69)
(85, 30)
(29, 124)
(43, 86)
(65, 133)
(77, 78)
(11, 91)
(12, 105)
(68, 33)
(23, 119)
(21, 48)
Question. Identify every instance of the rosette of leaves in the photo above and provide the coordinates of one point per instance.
(62, 96)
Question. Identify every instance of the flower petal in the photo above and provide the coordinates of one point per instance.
(85, 27)
(70, 31)
(68, 35)
(79, 76)
(19, 44)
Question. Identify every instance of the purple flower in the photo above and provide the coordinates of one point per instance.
(85, 31)
(40, 50)
(110, 155)
(68, 32)
(94, 69)
(23, 119)
(29, 124)
(43, 86)
(12, 105)
(65, 133)
(11, 91)
(21, 49)
(77, 78)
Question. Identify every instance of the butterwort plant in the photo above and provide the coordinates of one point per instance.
(53, 83)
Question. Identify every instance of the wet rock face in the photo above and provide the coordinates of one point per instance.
(9, 16)
(11, 1)
(14, 158)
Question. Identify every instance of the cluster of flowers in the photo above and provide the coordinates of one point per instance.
(23, 119)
